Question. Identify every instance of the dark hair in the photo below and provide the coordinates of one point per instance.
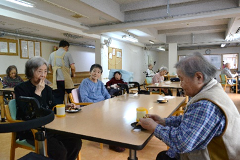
(63, 43)
(33, 64)
(116, 73)
(9, 70)
(96, 66)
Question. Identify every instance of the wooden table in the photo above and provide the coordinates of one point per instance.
(110, 121)
(175, 85)
(172, 85)
(2, 102)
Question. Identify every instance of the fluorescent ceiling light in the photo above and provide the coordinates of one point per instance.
(138, 33)
(161, 48)
(223, 45)
(130, 38)
(233, 37)
(21, 2)
(150, 41)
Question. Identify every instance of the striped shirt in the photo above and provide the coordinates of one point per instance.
(201, 122)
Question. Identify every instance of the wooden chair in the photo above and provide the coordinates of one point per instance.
(225, 82)
(11, 111)
(74, 98)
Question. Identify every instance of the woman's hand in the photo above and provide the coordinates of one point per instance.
(148, 123)
(108, 87)
(40, 87)
(69, 106)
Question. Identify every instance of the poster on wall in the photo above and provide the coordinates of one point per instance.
(24, 49)
(3, 47)
(30, 49)
(12, 48)
(37, 49)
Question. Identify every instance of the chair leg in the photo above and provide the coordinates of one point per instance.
(79, 156)
(13, 147)
(236, 90)
(101, 145)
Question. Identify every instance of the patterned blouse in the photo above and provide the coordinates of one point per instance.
(8, 82)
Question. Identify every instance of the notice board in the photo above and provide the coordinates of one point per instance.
(114, 58)
(8, 47)
(29, 49)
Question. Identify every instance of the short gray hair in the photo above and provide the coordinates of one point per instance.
(33, 64)
(163, 68)
(197, 63)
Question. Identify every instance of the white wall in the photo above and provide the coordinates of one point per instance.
(134, 59)
(231, 50)
(83, 57)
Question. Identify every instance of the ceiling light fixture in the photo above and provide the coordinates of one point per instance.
(223, 45)
(161, 48)
(150, 41)
(21, 2)
(130, 38)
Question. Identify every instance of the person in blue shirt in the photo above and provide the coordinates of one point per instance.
(206, 129)
(93, 90)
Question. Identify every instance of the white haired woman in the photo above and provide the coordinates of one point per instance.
(59, 146)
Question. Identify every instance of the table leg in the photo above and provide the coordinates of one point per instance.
(2, 107)
(132, 155)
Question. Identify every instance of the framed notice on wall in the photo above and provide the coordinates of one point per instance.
(8, 47)
(29, 49)
(114, 58)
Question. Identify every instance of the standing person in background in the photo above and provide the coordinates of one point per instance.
(12, 79)
(60, 62)
(150, 72)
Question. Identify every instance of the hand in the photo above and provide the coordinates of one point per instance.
(108, 87)
(157, 119)
(69, 106)
(40, 87)
(148, 123)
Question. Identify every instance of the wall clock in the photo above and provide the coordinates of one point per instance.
(208, 51)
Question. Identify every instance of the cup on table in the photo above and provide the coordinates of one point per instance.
(156, 84)
(141, 112)
(60, 110)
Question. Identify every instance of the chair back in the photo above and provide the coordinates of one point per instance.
(223, 78)
(12, 109)
(148, 80)
(76, 96)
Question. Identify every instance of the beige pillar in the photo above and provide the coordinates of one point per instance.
(172, 57)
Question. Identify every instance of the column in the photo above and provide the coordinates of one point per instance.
(172, 57)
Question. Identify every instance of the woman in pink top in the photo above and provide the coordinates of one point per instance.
(159, 78)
